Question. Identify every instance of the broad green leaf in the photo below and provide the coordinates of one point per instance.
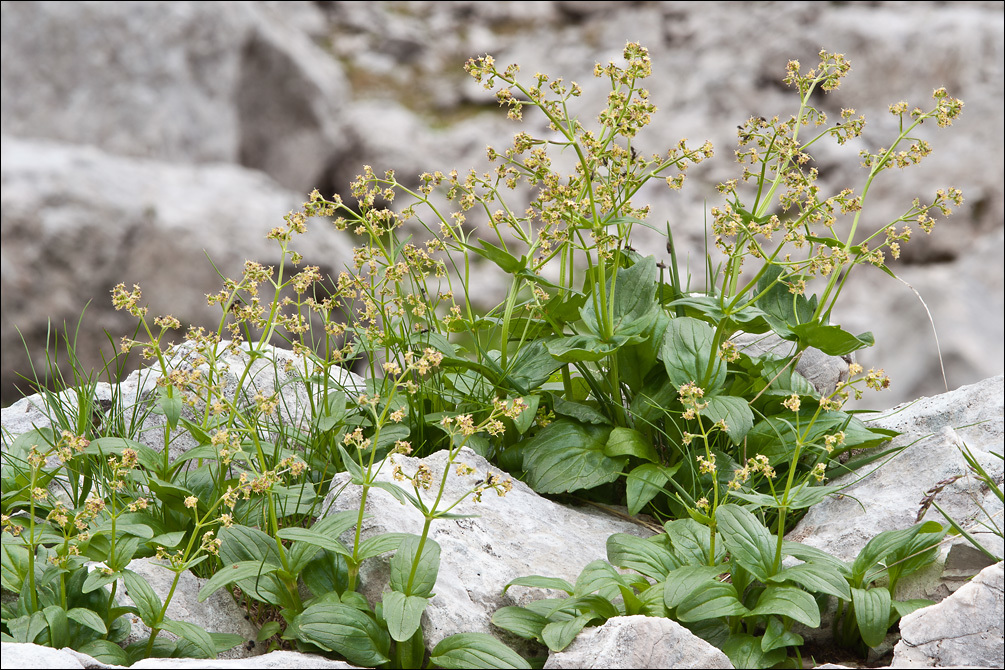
(400, 494)
(148, 603)
(403, 614)
(312, 537)
(347, 631)
(233, 573)
(872, 614)
(558, 635)
(194, 634)
(711, 601)
(784, 378)
(59, 626)
(106, 652)
(652, 602)
(106, 446)
(170, 404)
(475, 650)
(531, 367)
(905, 607)
(583, 348)
(88, 618)
(692, 542)
(332, 412)
(520, 621)
(380, 544)
(567, 456)
(788, 601)
(537, 582)
(644, 556)
(525, 419)
(783, 309)
(805, 552)
(817, 577)
(831, 340)
(582, 412)
(509, 263)
(864, 568)
(688, 354)
(225, 641)
(776, 637)
(596, 605)
(98, 578)
(423, 579)
(807, 496)
(734, 411)
(918, 551)
(747, 540)
(630, 442)
(352, 467)
(630, 293)
(744, 651)
(683, 582)
(645, 482)
(268, 629)
(599, 576)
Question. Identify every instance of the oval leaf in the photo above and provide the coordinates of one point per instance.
(475, 650)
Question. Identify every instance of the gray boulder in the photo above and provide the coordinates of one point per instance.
(513, 536)
(638, 642)
(965, 629)
(129, 220)
(892, 495)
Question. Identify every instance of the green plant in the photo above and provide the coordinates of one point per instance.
(737, 595)
(989, 524)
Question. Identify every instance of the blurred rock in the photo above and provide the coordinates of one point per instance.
(77, 221)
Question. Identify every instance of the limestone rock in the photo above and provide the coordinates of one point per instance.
(638, 642)
(891, 496)
(77, 221)
(178, 81)
(965, 629)
(823, 371)
(514, 536)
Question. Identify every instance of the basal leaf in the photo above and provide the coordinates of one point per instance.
(148, 603)
(630, 442)
(713, 600)
(559, 634)
(568, 456)
(520, 621)
(538, 582)
(734, 411)
(644, 556)
(645, 482)
(421, 582)
(475, 650)
(403, 614)
(683, 582)
(194, 634)
(748, 541)
(688, 354)
(347, 631)
(788, 601)
(872, 614)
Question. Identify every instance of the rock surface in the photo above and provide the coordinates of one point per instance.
(891, 497)
(638, 642)
(307, 93)
(513, 536)
(965, 629)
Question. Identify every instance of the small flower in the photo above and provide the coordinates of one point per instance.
(191, 502)
(792, 402)
(706, 466)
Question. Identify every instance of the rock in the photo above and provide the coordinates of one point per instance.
(515, 536)
(217, 614)
(638, 642)
(177, 81)
(275, 370)
(965, 629)
(17, 655)
(130, 220)
(823, 371)
(892, 496)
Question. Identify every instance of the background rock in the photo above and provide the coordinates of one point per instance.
(307, 93)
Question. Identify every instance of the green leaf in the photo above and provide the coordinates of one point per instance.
(747, 540)
(905, 607)
(558, 635)
(59, 626)
(98, 578)
(194, 634)
(816, 577)
(332, 412)
(692, 542)
(807, 496)
(831, 340)
(713, 600)
(403, 614)
(148, 603)
(537, 582)
(872, 614)
(863, 569)
(734, 411)
(599, 576)
(425, 572)
(509, 263)
(475, 650)
(776, 637)
(788, 601)
(744, 651)
(88, 618)
(583, 348)
(170, 404)
(268, 629)
(687, 352)
(645, 482)
(347, 631)
(105, 651)
(630, 442)
(380, 544)
(567, 456)
(233, 573)
(106, 446)
(683, 582)
(520, 621)
(645, 556)
(631, 293)
(525, 419)
(782, 308)
(225, 641)
(531, 367)
(312, 537)
(582, 412)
